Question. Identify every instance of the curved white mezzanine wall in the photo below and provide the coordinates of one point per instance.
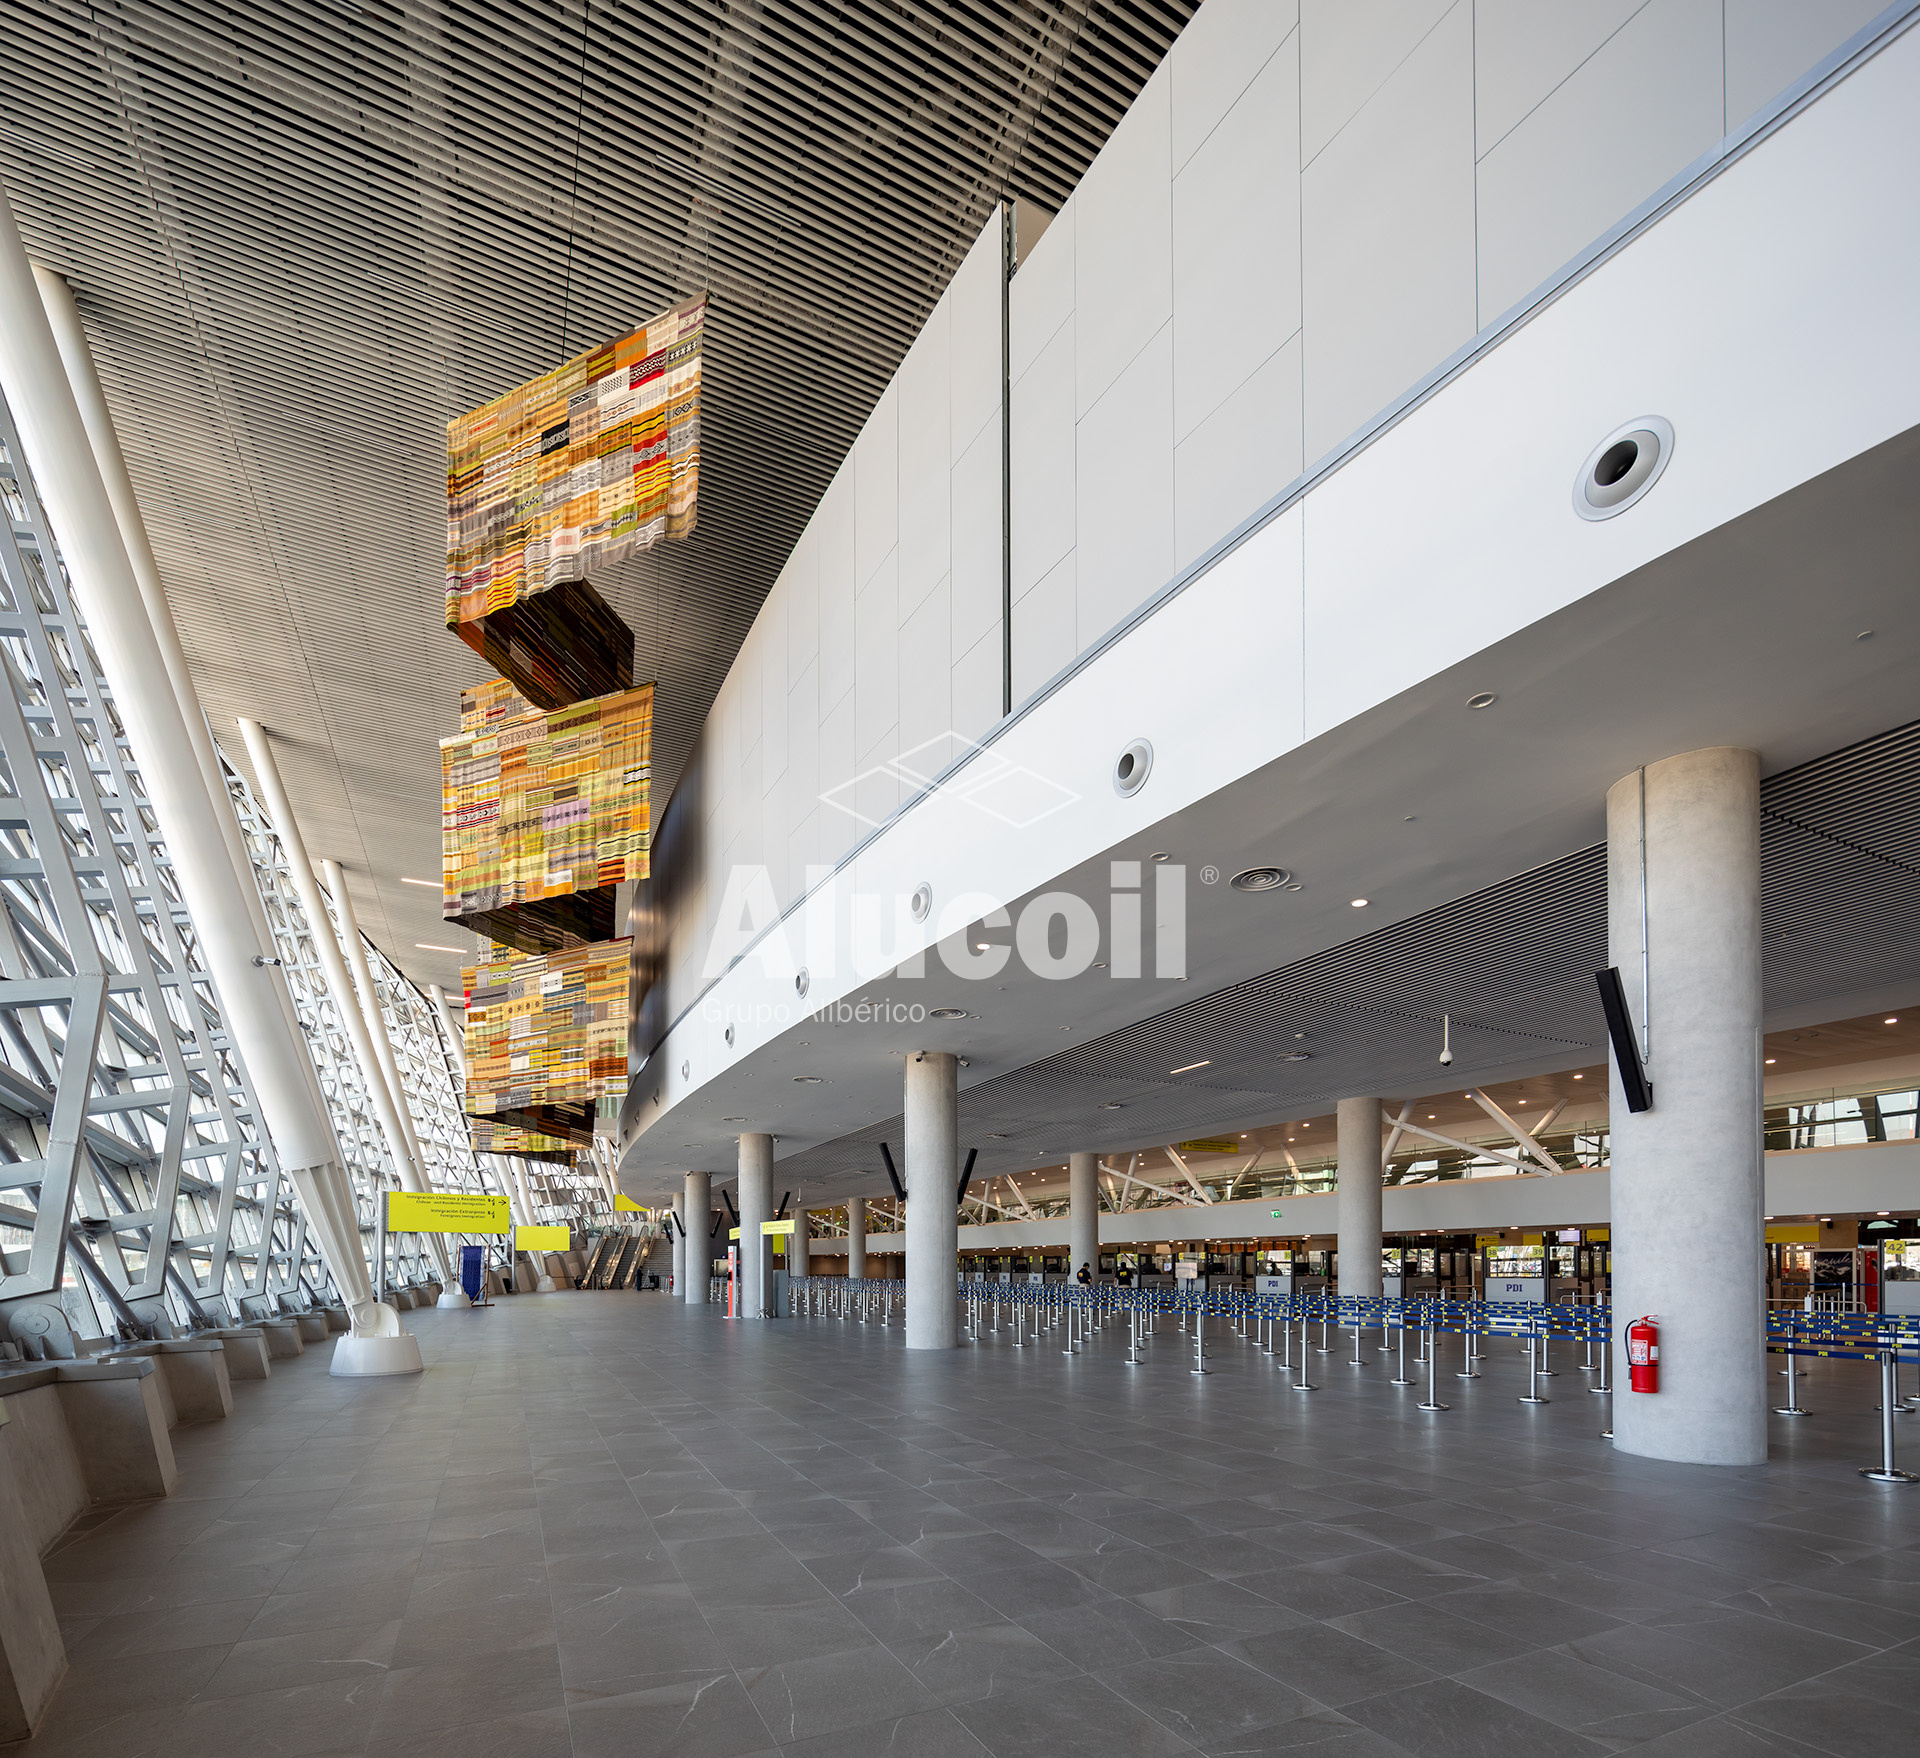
(1763, 299)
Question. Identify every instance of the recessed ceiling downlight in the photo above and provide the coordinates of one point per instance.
(1261, 879)
(1485, 699)
(807, 1080)
(1296, 1056)
(947, 1013)
(1622, 467)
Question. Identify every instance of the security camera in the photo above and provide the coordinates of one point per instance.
(1446, 1058)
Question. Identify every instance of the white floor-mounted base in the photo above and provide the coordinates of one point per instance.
(452, 1301)
(364, 1357)
(546, 1285)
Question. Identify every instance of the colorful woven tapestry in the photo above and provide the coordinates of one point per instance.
(537, 805)
(546, 1031)
(578, 469)
(489, 1137)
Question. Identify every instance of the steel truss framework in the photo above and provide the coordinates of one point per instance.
(135, 1176)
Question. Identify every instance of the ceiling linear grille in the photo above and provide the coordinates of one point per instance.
(303, 237)
(1514, 961)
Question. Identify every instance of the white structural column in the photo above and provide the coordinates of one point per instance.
(387, 1066)
(857, 1238)
(756, 1205)
(1689, 1169)
(1358, 1196)
(679, 1244)
(333, 961)
(933, 1208)
(226, 917)
(456, 1029)
(698, 1256)
(90, 397)
(1083, 1222)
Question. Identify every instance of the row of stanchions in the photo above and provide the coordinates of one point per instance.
(990, 1309)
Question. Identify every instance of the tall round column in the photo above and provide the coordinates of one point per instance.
(857, 1238)
(799, 1248)
(933, 1209)
(756, 1205)
(1358, 1197)
(698, 1256)
(1688, 1197)
(227, 920)
(1083, 1190)
(678, 1258)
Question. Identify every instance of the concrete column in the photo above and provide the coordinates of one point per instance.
(756, 1205)
(799, 1247)
(698, 1256)
(1689, 1169)
(1083, 1188)
(857, 1238)
(679, 1253)
(933, 1214)
(1358, 1197)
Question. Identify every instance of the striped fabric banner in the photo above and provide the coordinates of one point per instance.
(577, 469)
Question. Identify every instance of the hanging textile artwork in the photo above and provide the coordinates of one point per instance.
(577, 469)
(541, 814)
(546, 1037)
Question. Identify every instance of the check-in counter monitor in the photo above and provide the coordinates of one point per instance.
(1900, 1276)
(1393, 1273)
(1516, 1274)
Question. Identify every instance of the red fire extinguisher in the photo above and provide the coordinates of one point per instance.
(1643, 1354)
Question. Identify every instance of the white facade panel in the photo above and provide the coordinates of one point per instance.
(1387, 237)
(1124, 490)
(1224, 471)
(1220, 53)
(1123, 245)
(1236, 245)
(1545, 193)
(1350, 49)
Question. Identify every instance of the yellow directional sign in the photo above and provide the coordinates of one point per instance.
(411, 1211)
(785, 1226)
(542, 1239)
(626, 1205)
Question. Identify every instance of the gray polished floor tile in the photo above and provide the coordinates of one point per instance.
(1446, 1719)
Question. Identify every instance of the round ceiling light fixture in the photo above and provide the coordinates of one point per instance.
(1131, 769)
(1485, 699)
(1296, 1056)
(1261, 879)
(947, 1013)
(733, 1120)
(922, 904)
(729, 1035)
(801, 982)
(1622, 467)
(807, 1080)
(1361, 903)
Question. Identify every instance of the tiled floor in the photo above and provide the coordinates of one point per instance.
(605, 1524)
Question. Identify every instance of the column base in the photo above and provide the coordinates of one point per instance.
(452, 1301)
(371, 1357)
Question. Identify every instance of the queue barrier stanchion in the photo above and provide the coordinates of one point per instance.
(1467, 1370)
(1400, 1374)
(1432, 1399)
(1887, 1471)
(1300, 1383)
(1792, 1405)
(1535, 1337)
